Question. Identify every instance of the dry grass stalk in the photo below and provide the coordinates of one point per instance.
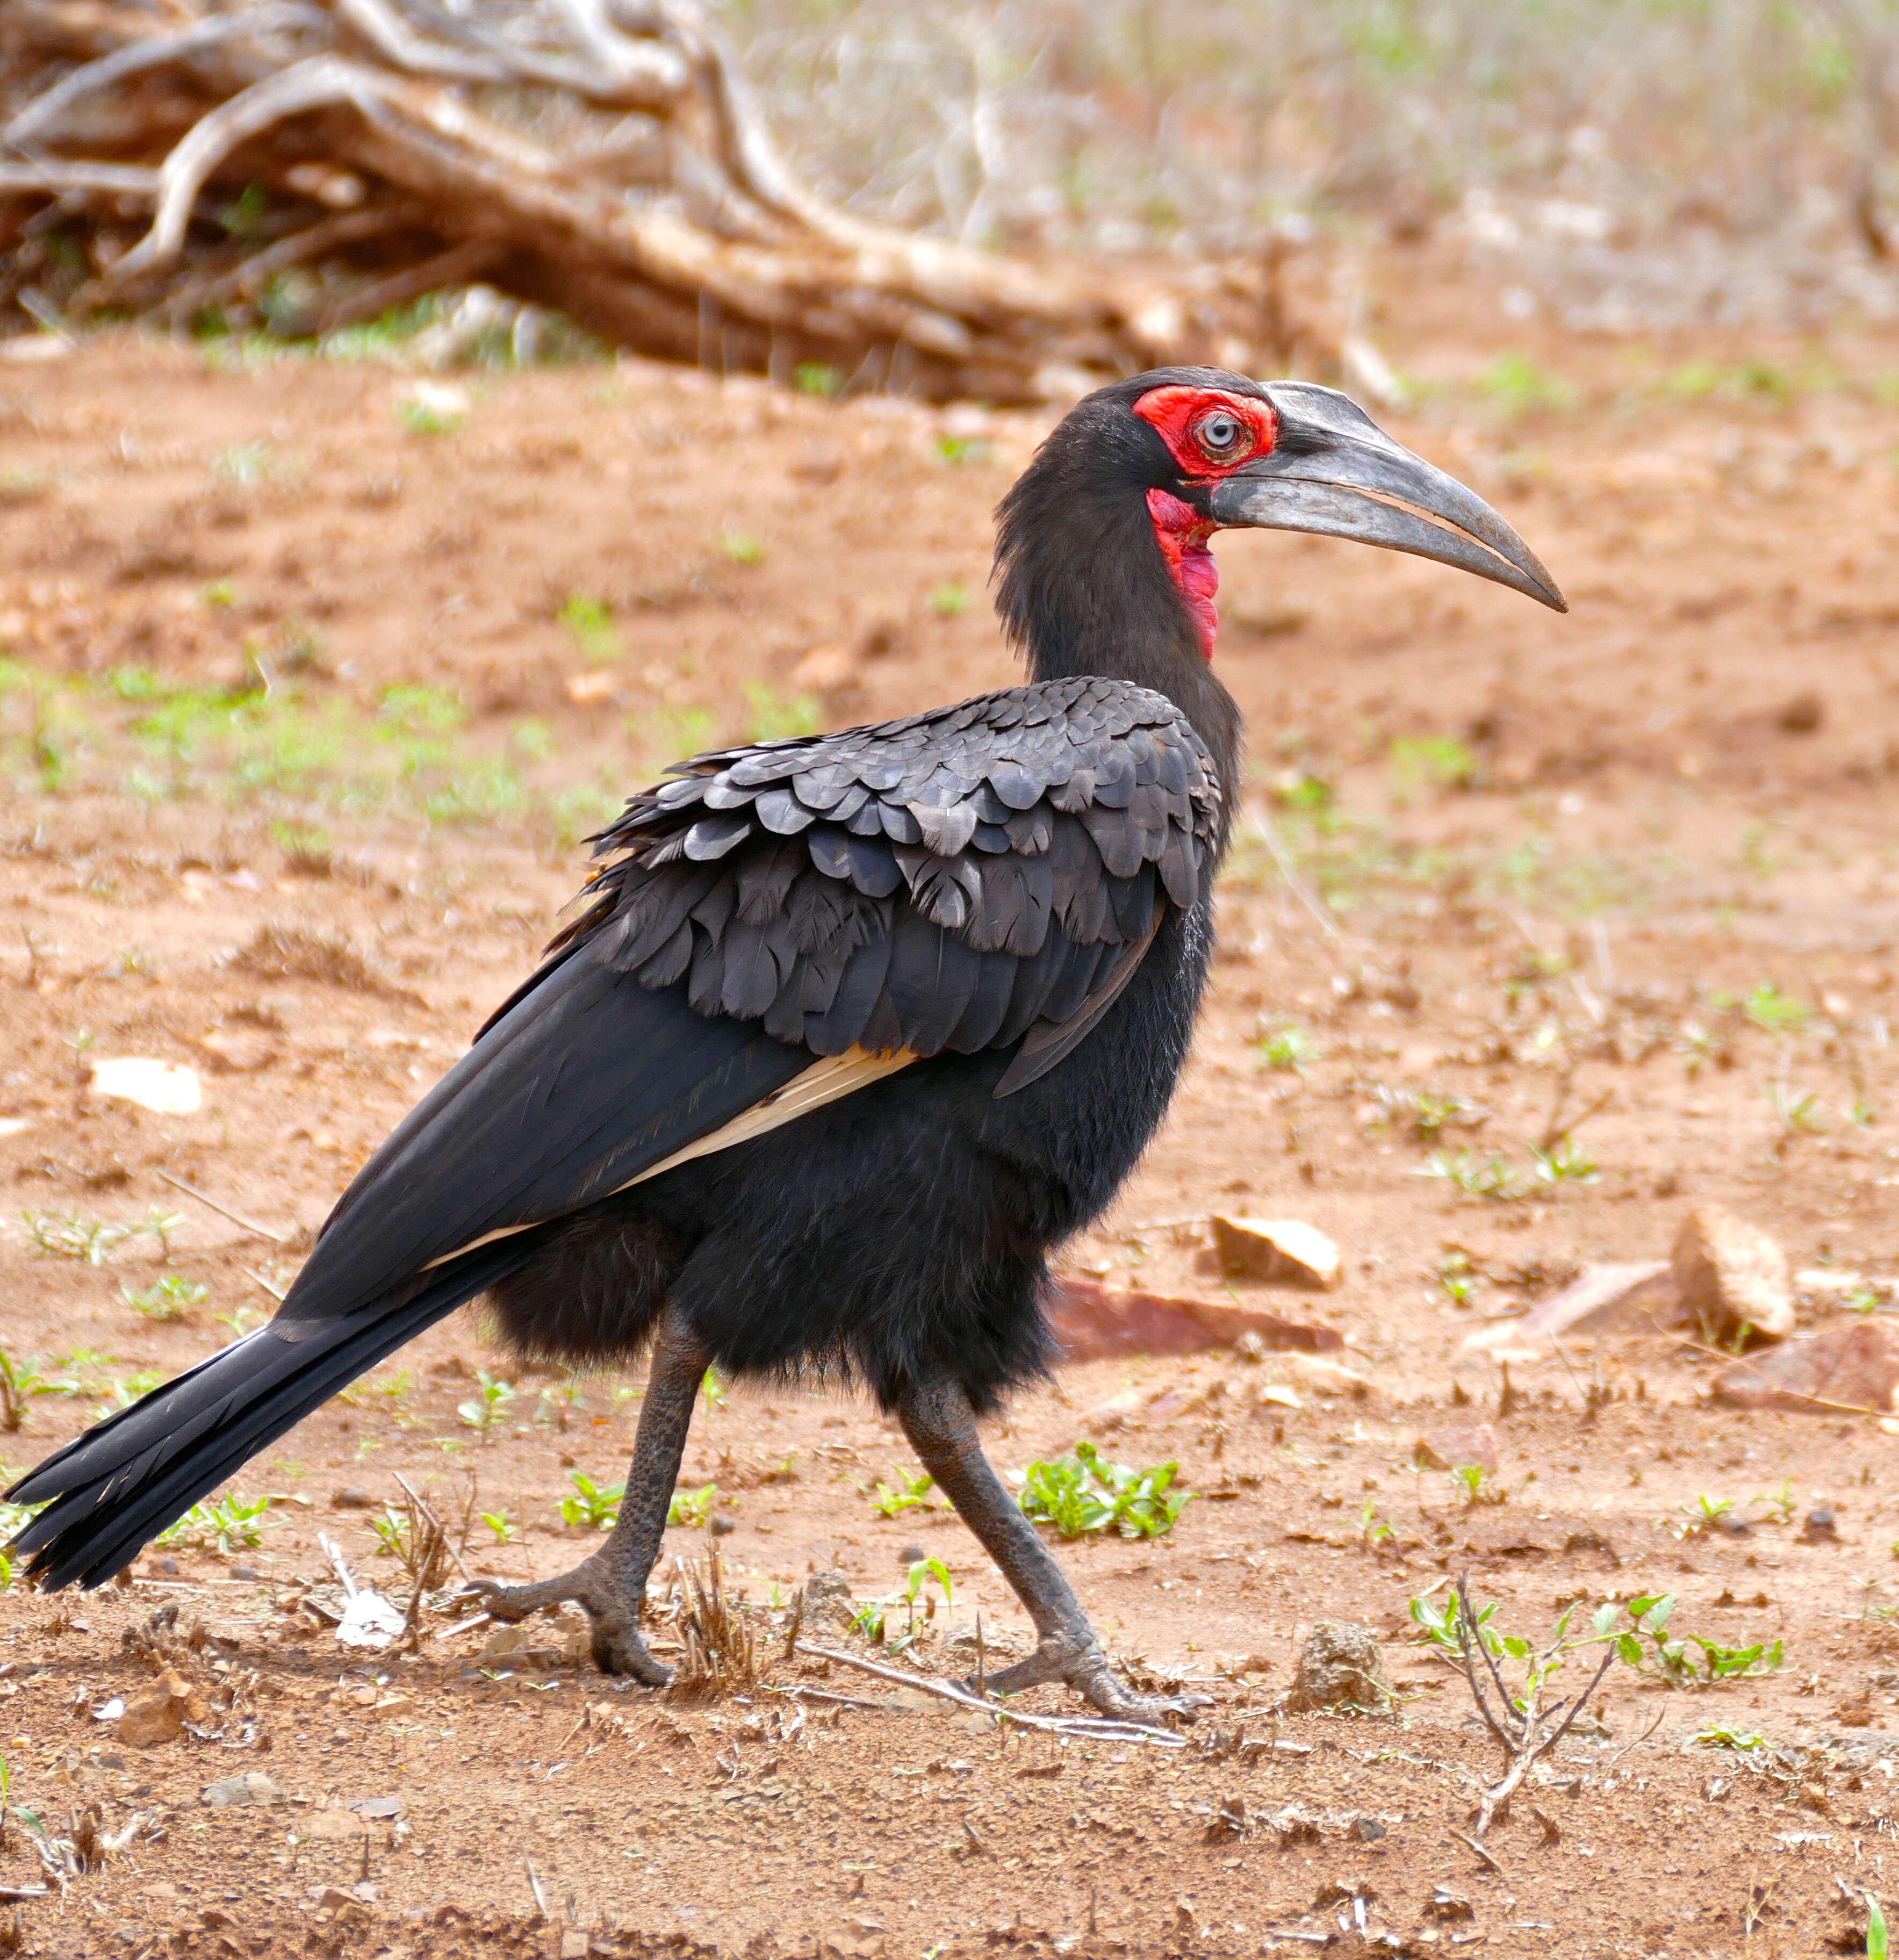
(720, 1651)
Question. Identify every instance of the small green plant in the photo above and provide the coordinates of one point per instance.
(596, 1505)
(1780, 1505)
(245, 462)
(1519, 387)
(818, 377)
(1494, 1179)
(1083, 1494)
(713, 1387)
(590, 622)
(433, 411)
(742, 547)
(1800, 1110)
(1769, 1008)
(1521, 1716)
(1740, 1739)
(1433, 1112)
(171, 1297)
(1374, 1534)
(772, 716)
(218, 592)
(1474, 1480)
(502, 1525)
(1289, 1048)
(871, 1619)
(1876, 1937)
(22, 1382)
(1668, 1657)
(1459, 1277)
(949, 600)
(486, 1412)
(1435, 762)
(1707, 1514)
(244, 1319)
(903, 1493)
(956, 450)
(229, 1523)
(692, 1507)
(558, 1404)
(1562, 1163)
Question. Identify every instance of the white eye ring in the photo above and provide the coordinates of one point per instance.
(1220, 433)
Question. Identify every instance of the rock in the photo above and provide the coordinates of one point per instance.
(245, 1572)
(1323, 1378)
(1639, 1297)
(1853, 1368)
(158, 1713)
(254, 1786)
(1094, 1323)
(1341, 1669)
(1820, 1527)
(1282, 1251)
(369, 1620)
(238, 1051)
(828, 1607)
(354, 1498)
(521, 1646)
(332, 1827)
(1732, 1276)
(165, 1088)
(1446, 1448)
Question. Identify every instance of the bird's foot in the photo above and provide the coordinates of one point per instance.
(619, 1645)
(1077, 1661)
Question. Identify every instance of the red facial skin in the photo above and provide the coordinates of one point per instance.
(1177, 413)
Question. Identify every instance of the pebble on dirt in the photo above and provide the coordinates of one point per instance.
(1284, 1251)
(165, 1088)
(1732, 1276)
(1341, 1669)
(1638, 1296)
(254, 1786)
(1445, 1448)
(1855, 1367)
(828, 1607)
(158, 1713)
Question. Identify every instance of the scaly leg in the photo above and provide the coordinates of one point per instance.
(942, 1429)
(610, 1584)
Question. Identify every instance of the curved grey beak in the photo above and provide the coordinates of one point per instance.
(1334, 470)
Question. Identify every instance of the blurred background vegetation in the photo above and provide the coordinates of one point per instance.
(1640, 162)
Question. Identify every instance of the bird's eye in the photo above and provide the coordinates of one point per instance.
(1220, 434)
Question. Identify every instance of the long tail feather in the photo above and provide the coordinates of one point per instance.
(111, 1491)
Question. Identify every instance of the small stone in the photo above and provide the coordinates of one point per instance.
(245, 1572)
(1803, 715)
(1446, 1448)
(333, 1899)
(721, 1526)
(1848, 1369)
(254, 1786)
(1341, 1669)
(1637, 1297)
(1819, 1528)
(167, 1565)
(352, 1498)
(158, 1713)
(1732, 1276)
(1283, 1250)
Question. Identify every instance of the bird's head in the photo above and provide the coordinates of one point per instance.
(1136, 478)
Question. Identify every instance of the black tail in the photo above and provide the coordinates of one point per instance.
(110, 1490)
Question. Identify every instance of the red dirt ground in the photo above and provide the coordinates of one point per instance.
(1558, 851)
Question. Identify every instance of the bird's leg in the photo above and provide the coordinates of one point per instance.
(610, 1584)
(942, 1429)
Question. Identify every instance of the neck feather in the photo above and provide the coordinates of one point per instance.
(1085, 587)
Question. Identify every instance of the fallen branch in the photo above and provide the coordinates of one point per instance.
(1099, 1726)
(582, 154)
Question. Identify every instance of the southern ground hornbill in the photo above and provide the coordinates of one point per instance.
(853, 1028)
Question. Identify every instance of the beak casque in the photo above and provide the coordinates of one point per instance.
(1333, 470)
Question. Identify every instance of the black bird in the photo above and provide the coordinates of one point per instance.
(853, 1029)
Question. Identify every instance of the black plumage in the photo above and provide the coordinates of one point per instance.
(850, 1031)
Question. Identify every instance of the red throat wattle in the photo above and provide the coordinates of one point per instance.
(1209, 434)
(1183, 533)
